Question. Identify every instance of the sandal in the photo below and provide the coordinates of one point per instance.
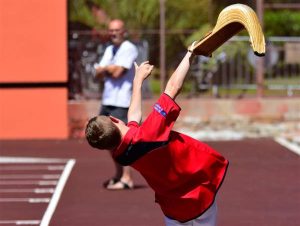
(120, 185)
(110, 182)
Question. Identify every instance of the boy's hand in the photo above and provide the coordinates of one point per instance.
(192, 47)
(143, 71)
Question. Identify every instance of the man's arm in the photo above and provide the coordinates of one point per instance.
(114, 71)
(135, 108)
(175, 82)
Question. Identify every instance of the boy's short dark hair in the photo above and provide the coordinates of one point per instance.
(101, 133)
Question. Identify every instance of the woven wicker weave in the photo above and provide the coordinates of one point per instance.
(232, 20)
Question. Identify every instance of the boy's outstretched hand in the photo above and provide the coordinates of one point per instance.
(143, 70)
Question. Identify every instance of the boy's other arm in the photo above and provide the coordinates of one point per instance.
(135, 108)
(176, 80)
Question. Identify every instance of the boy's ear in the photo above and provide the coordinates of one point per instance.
(112, 118)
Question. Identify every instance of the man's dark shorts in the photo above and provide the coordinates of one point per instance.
(118, 112)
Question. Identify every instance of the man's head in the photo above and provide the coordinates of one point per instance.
(102, 132)
(116, 29)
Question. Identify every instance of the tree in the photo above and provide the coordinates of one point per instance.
(142, 18)
(186, 20)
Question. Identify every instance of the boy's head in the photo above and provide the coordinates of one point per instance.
(102, 133)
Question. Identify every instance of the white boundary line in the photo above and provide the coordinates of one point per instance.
(29, 200)
(9, 159)
(20, 222)
(57, 193)
(33, 167)
(29, 176)
(289, 145)
(24, 190)
(26, 182)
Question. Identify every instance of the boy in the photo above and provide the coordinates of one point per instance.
(184, 173)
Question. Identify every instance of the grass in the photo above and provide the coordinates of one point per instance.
(283, 81)
(278, 88)
(155, 86)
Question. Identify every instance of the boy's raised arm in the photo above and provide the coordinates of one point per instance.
(135, 108)
(175, 82)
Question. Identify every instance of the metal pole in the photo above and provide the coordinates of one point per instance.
(260, 60)
(162, 35)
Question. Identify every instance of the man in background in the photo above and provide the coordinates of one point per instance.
(116, 68)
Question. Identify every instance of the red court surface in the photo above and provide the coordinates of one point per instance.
(261, 187)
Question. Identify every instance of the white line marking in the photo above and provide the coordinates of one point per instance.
(51, 167)
(45, 190)
(9, 159)
(20, 222)
(30, 200)
(39, 200)
(57, 193)
(36, 190)
(22, 182)
(289, 145)
(29, 176)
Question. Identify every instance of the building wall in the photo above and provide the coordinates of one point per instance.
(33, 71)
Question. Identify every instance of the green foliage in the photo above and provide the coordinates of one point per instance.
(186, 14)
(186, 21)
(155, 86)
(282, 23)
(205, 28)
(79, 12)
(138, 14)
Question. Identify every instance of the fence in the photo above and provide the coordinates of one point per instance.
(234, 68)
(230, 72)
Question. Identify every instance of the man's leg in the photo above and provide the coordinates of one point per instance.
(122, 178)
(124, 181)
